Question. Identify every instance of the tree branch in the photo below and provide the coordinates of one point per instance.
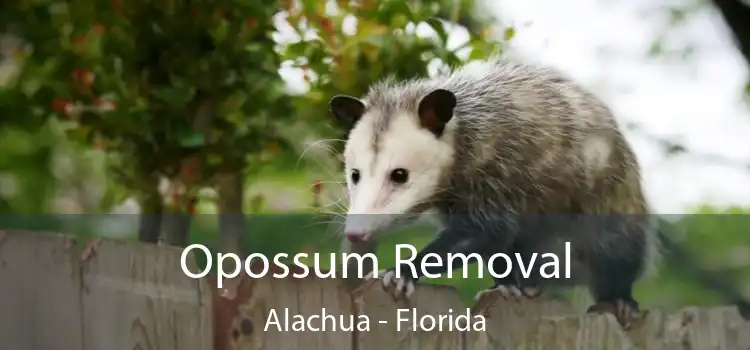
(232, 225)
(737, 17)
(675, 148)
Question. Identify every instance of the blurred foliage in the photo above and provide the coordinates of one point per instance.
(351, 47)
(676, 19)
(191, 92)
(182, 90)
(101, 99)
(186, 90)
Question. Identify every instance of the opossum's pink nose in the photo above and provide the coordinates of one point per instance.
(355, 237)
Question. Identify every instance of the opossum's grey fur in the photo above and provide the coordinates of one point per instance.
(521, 134)
(529, 140)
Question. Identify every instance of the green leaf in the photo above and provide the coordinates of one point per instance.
(482, 50)
(377, 40)
(296, 49)
(510, 33)
(656, 48)
(403, 8)
(437, 25)
(388, 10)
(220, 31)
(399, 20)
(81, 134)
(214, 159)
(191, 139)
(175, 96)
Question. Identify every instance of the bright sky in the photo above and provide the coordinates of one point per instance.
(698, 103)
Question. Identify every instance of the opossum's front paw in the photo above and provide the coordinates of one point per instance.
(398, 287)
(508, 291)
(625, 311)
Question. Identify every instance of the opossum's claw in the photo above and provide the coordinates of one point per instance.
(371, 275)
(625, 311)
(507, 291)
(484, 293)
(744, 309)
(532, 292)
(403, 287)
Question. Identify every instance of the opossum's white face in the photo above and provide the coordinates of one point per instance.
(395, 163)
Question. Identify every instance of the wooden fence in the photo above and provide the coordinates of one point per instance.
(114, 295)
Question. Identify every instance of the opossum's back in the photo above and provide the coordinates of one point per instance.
(536, 135)
(507, 95)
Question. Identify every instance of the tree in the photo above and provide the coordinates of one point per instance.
(709, 235)
(736, 15)
(190, 92)
(182, 90)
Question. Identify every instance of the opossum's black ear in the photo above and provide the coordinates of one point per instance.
(436, 109)
(346, 109)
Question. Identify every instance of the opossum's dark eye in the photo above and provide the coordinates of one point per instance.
(399, 175)
(355, 176)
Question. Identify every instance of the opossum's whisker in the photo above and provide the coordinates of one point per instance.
(323, 143)
(340, 206)
(331, 213)
(335, 225)
(331, 229)
(319, 183)
(341, 201)
(333, 151)
(332, 182)
(327, 222)
(335, 203)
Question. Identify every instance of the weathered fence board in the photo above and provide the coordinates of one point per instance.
(540, 324)
(128, 295)
(714, 328)
(245, 305)
(39, 284)
(507, 321)
(587, 332)
(111, 295)
(429, 302)
(142, 289)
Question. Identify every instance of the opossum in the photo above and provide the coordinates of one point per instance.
(511, 158)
